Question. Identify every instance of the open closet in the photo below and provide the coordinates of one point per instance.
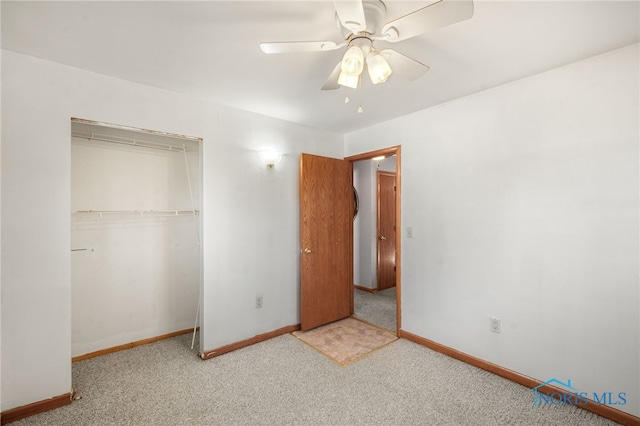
(135, 235)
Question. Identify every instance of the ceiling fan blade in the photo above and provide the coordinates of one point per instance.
(332, 81)
(404, 66)
(351, 14)
(299, 46)
(429, 18)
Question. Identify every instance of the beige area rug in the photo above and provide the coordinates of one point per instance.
(347, 340)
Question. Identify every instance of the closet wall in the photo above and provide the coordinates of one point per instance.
(250, 241)
(134, 237)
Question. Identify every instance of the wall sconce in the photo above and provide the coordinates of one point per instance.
(270, 158)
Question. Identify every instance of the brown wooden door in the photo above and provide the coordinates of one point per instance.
(326, 233)
(386, 230)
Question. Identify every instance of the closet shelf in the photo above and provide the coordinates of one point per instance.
(89, 136)
(138, 212)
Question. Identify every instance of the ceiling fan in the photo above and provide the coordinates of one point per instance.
(362, 23)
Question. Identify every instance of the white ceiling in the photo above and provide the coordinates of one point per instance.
(210, 49)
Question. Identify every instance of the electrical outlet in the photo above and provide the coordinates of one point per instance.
(258, 302)
(494, 324)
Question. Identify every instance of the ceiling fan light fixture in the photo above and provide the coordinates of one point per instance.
(353, 62)
(378, 67)
(348, 80)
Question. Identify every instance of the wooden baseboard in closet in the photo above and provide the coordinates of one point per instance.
(131, 345)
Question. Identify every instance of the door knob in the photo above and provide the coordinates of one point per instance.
(306, 250)
(383, 238)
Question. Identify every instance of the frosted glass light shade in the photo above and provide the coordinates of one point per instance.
(379, 69)
(353, 62)
(351, 68)
(348, 81)
(270, 158)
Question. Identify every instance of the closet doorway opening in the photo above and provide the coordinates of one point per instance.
(135, 237)
(376, 239)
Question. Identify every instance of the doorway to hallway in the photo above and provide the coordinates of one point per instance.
(376, 242)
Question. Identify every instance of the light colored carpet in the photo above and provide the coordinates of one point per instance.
(347, 340)
(283, 382)
(376, 308)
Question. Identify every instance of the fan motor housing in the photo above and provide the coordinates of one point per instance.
(375, 13)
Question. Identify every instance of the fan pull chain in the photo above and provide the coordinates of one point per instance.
(359, 89)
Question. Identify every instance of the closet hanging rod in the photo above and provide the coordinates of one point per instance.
(102, 124)
(139, 212)
(126, 141)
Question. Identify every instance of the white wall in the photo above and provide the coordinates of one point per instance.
(524, 205)
(364, 227)
(138, 275)
(387, 165)
(39, 97)
(250, 219)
